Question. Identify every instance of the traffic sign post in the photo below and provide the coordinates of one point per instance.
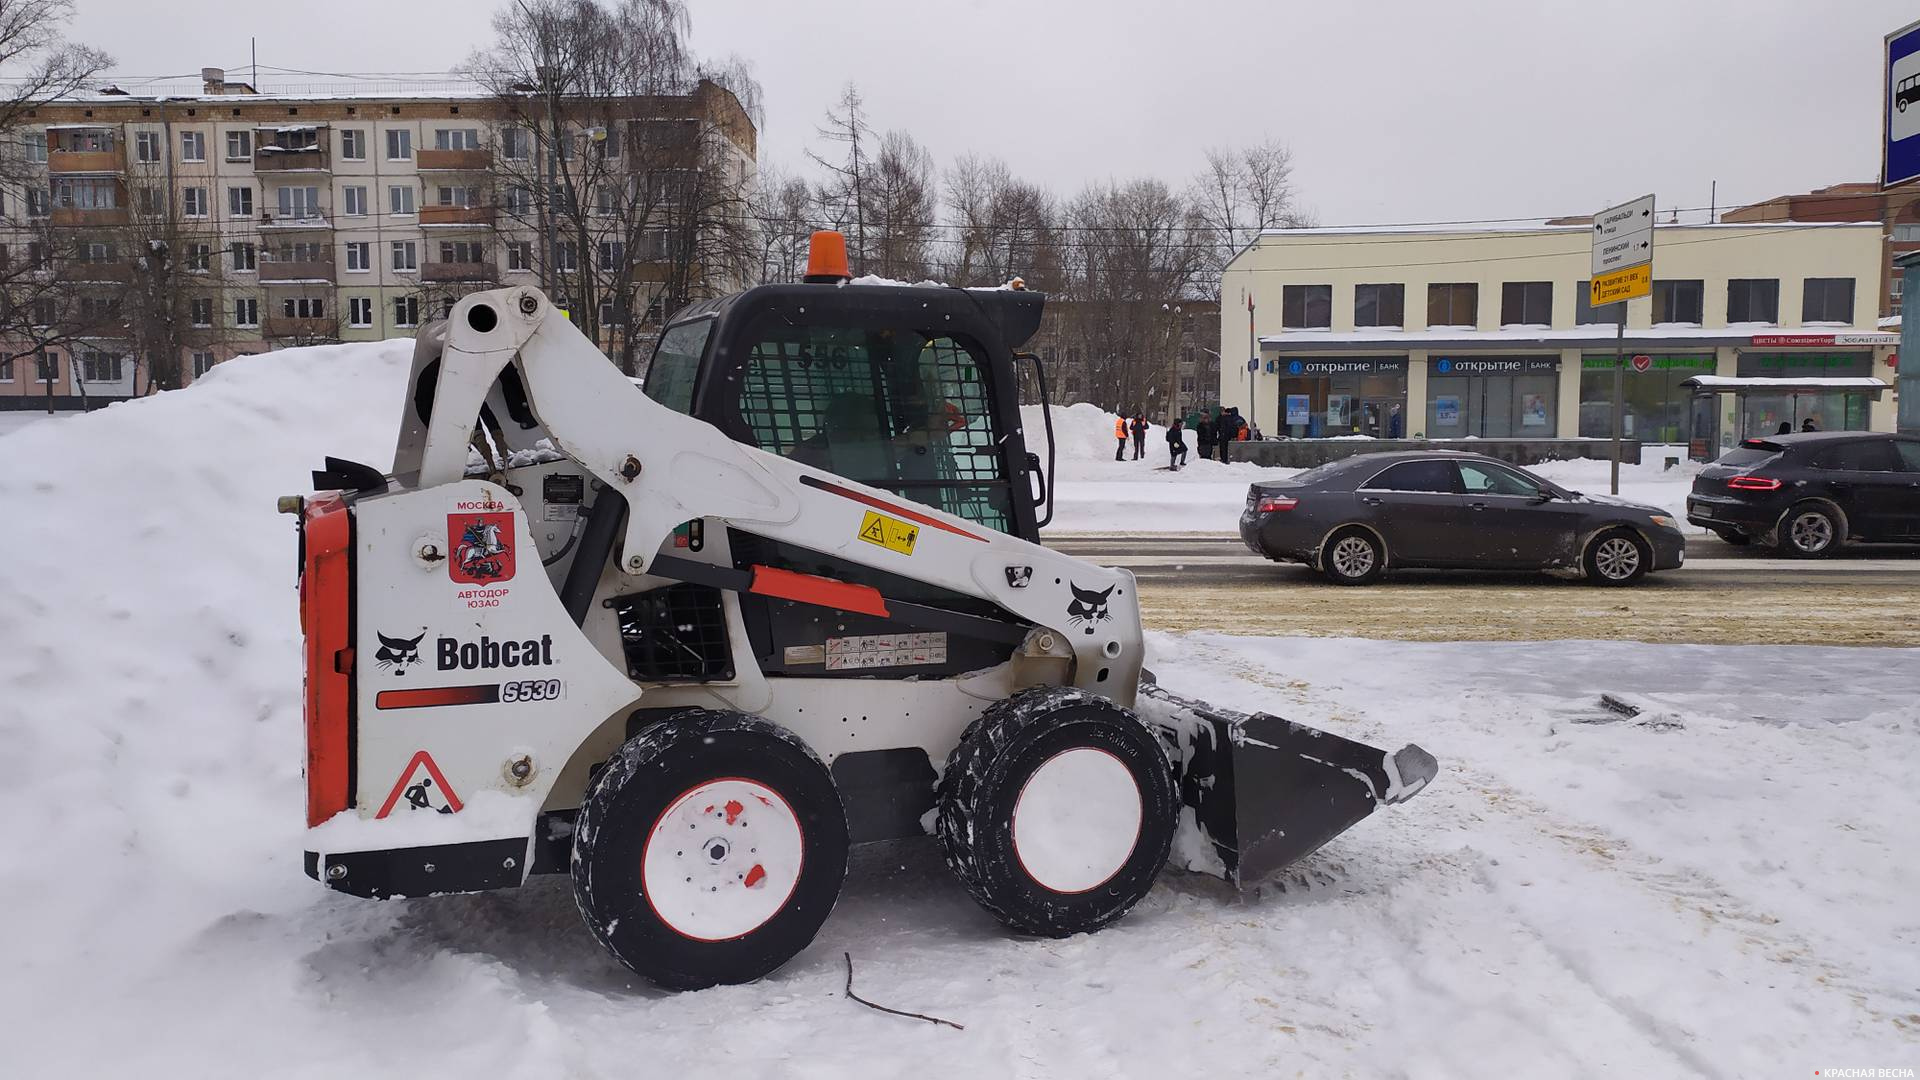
(1622, 271)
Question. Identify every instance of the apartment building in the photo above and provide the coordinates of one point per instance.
(1447, 333)
(1896, 209)
(300, 219)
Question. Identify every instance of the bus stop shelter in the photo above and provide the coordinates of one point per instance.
(1763, 405)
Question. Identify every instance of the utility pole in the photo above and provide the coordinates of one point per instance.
(1619, 388)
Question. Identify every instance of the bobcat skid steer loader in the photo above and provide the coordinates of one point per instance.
(687, 643)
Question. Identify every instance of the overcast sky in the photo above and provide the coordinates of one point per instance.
(1396, 110)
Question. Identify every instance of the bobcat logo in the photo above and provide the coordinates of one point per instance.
(397, 654)
(1088, 607)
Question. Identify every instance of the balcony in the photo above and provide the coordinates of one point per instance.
(66, 162)
(453, 160)
(317, 271)
(459, 271)
(304, 329)
(285, 150)
(471, 217)
(90, 215)
(110, 272)
(293, 222)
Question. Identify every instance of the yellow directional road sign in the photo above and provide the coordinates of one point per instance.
(1628, 284)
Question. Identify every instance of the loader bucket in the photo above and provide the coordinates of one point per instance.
(1259, 792)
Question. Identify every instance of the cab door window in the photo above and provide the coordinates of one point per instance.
(892, 408)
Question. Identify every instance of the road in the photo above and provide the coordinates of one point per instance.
(1724, 595)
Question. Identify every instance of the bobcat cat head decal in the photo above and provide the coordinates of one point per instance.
(1088, 606)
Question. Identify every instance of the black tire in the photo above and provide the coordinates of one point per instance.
(1809, 531)
(1352, 556)
(988, 778)
(670, 769)
(1618, 556)
(1734, 537)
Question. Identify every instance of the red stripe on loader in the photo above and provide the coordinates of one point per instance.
(897, 511)
(813, 589)
(427, 697)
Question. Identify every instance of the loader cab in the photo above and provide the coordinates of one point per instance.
(910, 389)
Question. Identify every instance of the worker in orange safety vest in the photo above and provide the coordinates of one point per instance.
(1120, 432)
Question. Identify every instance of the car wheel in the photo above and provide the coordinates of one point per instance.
(709, 850)
(1618, 557)
(1809, 532)
(1734, 537)
(1352, 557)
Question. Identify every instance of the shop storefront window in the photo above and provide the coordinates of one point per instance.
(1320, 398)
(1656, 406)
(1493, 397)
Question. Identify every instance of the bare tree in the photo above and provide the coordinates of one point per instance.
(1238, 195)
(842, 199)
(1003, 227)
(624, 157)
(899, 206)
(783, 209)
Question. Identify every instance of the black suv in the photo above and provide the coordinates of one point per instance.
(1809, 493)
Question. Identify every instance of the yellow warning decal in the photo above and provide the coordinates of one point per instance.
(890, 533)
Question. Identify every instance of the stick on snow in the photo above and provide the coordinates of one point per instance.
(884, 1009)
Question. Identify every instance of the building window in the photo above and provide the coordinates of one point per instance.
(6, 369)
(1585, 314)
(1899, 285)
(37, 147)
(519, 201)
(99, 367)
(1379, 305)
(239, 145)
(306, 251)
(44, 312)
(406, 255)
(246, 311)
(202, 363)
(199, 258)
(39, 202)
(353, 145)
(359, 255)
(1678, 301)
(303, 307)
(456, 139)
(399, 144)
(566, 257)
(1306, 307)
(462, 251)
(457, 196)
(150, 201)
(515, 143)
(97, 251)
(1755, 300)
(244, 256)
(46, 366)
(400, 199)
(1526, 303)
(519, 255)
(298, 203)
(91, 193)
(193, 202)
(239, 202)
(613, 313)
(406, 311)
(1454, 304)
(355, 198)
(359, 311)
(613, 254)
(1827, 300)
(146, 146)
(193, 146)
(200, 311)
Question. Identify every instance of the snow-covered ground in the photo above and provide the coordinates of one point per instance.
(12, 420)
(1723, 886)
(1100, 495)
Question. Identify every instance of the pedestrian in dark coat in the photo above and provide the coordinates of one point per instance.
(1176, 444)
(1203, 431)
(1139, 436)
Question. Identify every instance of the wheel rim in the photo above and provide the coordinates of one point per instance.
(1353, 557)
(1077, 820)
(1617, 557)
(722, 860)
(1811, 532)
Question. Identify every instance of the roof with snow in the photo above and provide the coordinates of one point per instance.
(1547, 226)
(1751, 335)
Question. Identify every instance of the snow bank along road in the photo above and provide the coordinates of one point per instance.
(1721, 886)
(1723, 595)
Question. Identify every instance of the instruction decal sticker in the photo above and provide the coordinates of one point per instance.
(888, 532)
(423, 788)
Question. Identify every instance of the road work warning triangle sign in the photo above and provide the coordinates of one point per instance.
(422, 787)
